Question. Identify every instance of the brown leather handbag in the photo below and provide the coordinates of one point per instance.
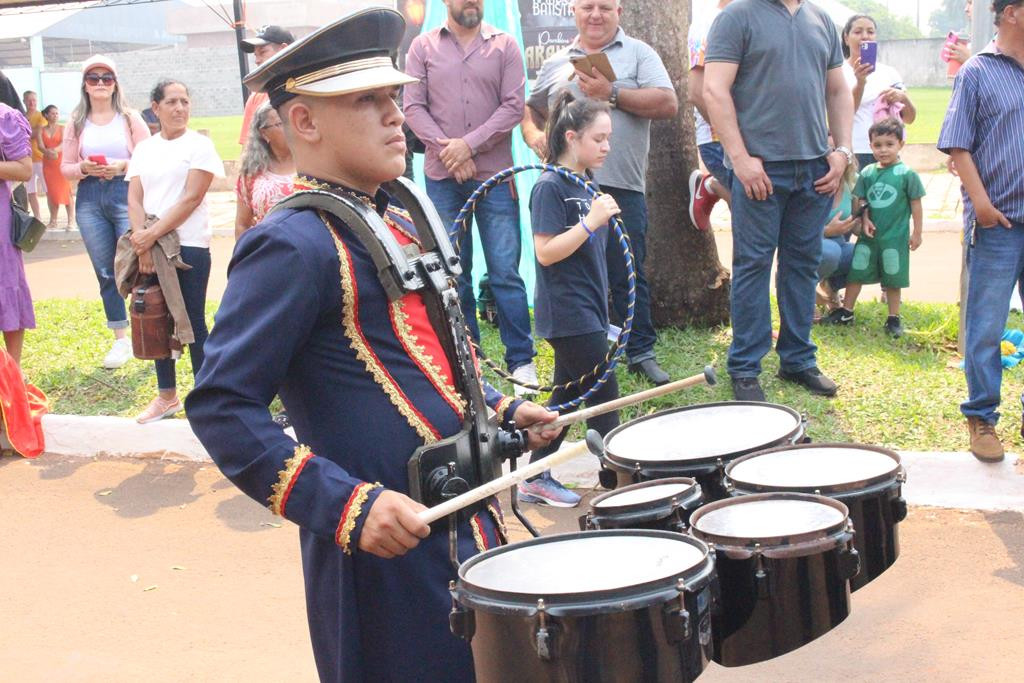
(152, 324)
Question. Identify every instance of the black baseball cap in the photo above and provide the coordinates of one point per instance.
(268, 34)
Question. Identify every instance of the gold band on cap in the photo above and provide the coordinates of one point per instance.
(294, 85)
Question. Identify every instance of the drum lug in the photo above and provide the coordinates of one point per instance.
(727, 485)
(676, 619)
(608, 479)
(761, 574)
(803, 429)
(849, 562)
(637, 473)
(587, 522)
(461, 621)
(544, 636)
(901, 476)
(899, 509)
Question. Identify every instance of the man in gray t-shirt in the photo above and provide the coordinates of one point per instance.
(772, 73)
(642, 91)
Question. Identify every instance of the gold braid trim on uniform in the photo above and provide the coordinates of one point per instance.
(499, 519)
(353, 508)
(502, 406)
(363, 353)
(478, 535)
(391, 223)
(286, 479)
(420, 355)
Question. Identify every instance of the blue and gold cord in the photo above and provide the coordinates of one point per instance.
(610, 360)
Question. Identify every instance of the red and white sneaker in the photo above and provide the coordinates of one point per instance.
(702, 200)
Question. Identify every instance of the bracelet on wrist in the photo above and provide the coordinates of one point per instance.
(590, 232)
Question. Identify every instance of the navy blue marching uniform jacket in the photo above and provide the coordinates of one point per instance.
(365, 383)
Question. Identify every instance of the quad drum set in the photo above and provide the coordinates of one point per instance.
(728, 537)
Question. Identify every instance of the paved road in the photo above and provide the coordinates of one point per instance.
(124, 570)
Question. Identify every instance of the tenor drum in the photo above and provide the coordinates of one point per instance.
(867, 479)
(698, 441)
(664, 504)
(596, 606)
(783, 562)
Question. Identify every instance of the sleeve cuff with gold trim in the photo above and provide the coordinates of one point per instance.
(506, 410)
(286, 479)
(352, 517)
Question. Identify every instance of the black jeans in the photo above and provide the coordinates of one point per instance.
(574, 357)
(193, 289)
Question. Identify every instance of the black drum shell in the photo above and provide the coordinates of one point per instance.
(876, 509)
(667, 514)
(605, 640)
(709, 472)
(773, 600)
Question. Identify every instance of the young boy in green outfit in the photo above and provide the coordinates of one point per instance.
(892, 193)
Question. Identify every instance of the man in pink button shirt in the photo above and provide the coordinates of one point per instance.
(469, 97)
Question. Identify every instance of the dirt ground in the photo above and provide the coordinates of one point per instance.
(124, 570)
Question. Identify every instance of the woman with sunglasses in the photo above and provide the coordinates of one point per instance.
(98, 144)
(267, 173)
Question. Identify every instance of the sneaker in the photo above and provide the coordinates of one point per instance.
(158, 409)
(546, 490)
(811, 379)
(747, 389)
(526, 374)
(119, 354)
(893, 326)
(840, 316)
(985, 444)
(702, 200)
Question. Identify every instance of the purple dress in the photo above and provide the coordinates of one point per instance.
(15, 300)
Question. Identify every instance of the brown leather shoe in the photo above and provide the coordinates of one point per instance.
(985, 445)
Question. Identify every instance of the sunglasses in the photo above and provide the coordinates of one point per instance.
(105, 79)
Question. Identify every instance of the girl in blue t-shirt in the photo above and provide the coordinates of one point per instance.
(570, 234)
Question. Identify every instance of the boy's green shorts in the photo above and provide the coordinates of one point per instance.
(884, 260)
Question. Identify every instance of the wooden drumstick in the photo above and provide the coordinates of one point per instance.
(706, 377)
(592, 444)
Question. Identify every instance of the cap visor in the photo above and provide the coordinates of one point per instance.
(367, 79)
(250, 44)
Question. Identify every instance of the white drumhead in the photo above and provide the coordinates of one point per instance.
(814, 467)
(768, 518)
(701, 433)
(583, 564)
(642, 494)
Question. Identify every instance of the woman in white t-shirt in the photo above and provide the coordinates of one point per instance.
(872, 89)
(168, 177)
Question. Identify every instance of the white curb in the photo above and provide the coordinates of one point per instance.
(952, 480)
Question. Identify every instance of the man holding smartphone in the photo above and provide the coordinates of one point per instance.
(641, 93)
(785, 173)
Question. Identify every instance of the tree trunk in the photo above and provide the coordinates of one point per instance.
(689, 286)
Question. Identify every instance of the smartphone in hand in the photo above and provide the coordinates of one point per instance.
(98, 159)
(869, 53)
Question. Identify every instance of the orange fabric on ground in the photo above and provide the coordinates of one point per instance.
(22, 407)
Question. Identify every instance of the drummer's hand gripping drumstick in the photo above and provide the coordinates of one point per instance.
(706, 377)
(592, 444)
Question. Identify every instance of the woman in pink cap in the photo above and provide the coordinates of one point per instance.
(98, 144)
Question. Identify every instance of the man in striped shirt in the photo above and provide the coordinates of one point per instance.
(984, 134)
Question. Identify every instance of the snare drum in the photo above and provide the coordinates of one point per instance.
(866, 479)
(601, 606)
(664, 504)
(698, 441)
(783, 562)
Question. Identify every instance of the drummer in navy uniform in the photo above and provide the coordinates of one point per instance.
(366, 379)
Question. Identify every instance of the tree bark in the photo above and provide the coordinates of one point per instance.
(689, 286)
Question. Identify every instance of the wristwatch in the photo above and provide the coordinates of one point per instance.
(847, 152)
(613, 99)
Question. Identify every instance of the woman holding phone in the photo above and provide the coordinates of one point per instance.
(876, 87)
(168, 178)
(98, 143)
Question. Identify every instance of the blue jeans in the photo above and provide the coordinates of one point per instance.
(789, 220)
(193, 290)
(101, 207)
(634, 217)
(713, 156)
(497, 218)
(836, 258)
(995, 262)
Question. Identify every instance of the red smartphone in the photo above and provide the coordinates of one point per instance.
(98, 159)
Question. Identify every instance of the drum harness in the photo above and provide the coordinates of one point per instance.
(447, 468)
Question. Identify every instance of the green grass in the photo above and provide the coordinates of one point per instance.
(931, 104)
(224, 133)
(901, 393)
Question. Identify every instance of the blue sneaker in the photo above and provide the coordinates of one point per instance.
(546, 490)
